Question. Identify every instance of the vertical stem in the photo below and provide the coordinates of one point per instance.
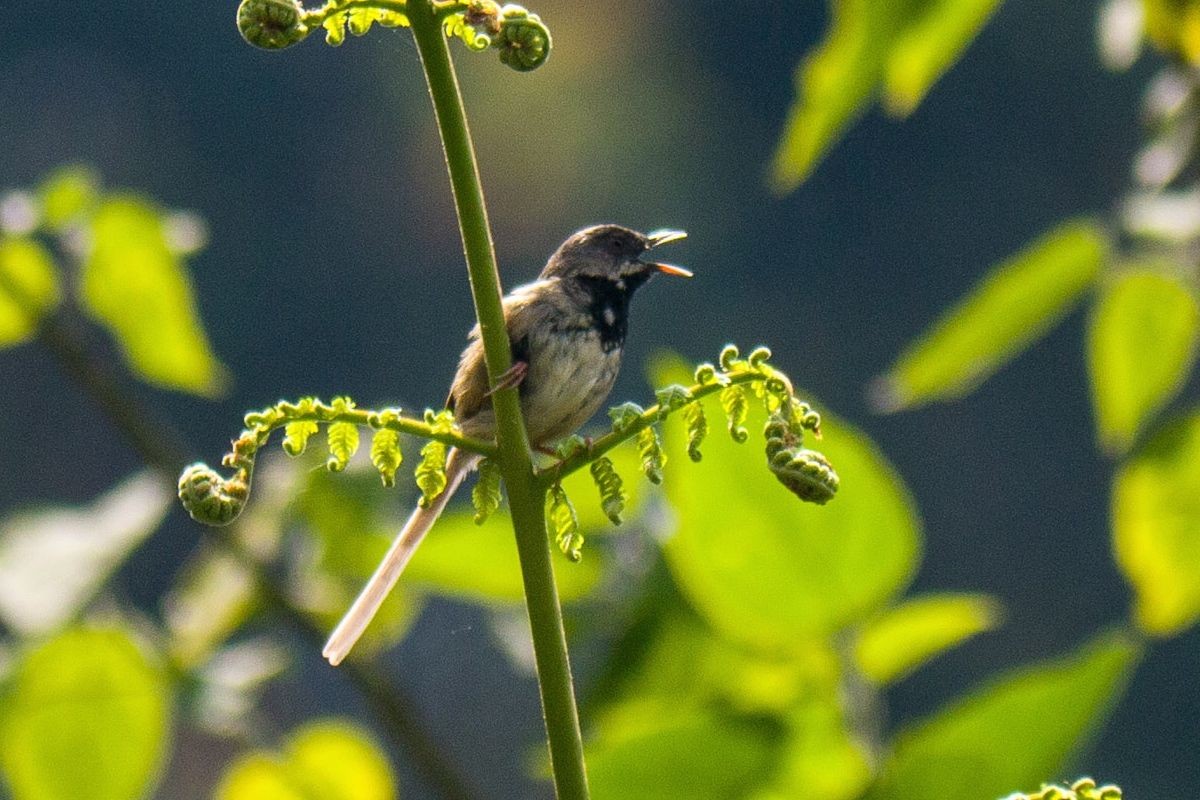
(516, 464)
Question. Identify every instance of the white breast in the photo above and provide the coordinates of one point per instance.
(570, 377)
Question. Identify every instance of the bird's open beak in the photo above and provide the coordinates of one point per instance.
(659, 238)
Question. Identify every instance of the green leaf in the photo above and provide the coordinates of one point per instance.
(28, 288)
(212, 598)
(649, 751)
(929, 46)
(135, 285)
(479, 562)
(386, 454)
(1016, 304)
(325, 760)
(53, 561)
(1141, 345)
(1017, 731)
(1156, 527)
(296, 436)
(835, 83)
(67, 193)
(769, 570)
(904, 637)
(349, 535)
(343, 444)
(820, 759)
(87, 714)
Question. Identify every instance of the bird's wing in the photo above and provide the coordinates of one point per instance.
(469, 391)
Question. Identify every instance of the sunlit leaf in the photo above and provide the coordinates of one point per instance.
(349, 533)
(53, 561)
(1019, 301)
(651, 752)
(820, 759)
(326, 760)
(67, 193)
(87, 715)
(1174, 27)
(588, 507)
(213, 597)
(902, 638)
(1017, 731)
(668, 652)
(134, 284)
(479, 562)
(28, 288)
(1156, 527)
(929, 45)
(1141, 345)
(767, 569)
(835, 83)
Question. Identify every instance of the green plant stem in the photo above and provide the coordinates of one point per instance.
(160, 445)
(525, 495)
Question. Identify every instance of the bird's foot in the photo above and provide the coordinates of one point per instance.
(511, 378)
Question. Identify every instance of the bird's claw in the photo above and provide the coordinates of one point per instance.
(511, 378)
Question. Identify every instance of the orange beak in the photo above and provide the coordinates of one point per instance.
(661, 237)
(671, 269)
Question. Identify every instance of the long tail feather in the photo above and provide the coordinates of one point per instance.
(388, 572)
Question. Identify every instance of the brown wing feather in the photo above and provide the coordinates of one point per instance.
(469, 391)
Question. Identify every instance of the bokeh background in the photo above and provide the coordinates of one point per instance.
(334, 266)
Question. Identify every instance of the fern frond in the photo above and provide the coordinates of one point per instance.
(612, 488)
(486, 495)
(431, 472)
(386, 454)
(560, 514)
(737, 408)
(697, 429)
(653, 457)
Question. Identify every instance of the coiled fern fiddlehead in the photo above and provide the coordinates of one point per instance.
(520, 37)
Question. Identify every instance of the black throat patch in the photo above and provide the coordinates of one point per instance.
(608, 305)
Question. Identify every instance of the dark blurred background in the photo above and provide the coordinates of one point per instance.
(334, 266)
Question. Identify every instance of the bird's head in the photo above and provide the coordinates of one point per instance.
(614, 254)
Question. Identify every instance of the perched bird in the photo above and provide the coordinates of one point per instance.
(567, 331)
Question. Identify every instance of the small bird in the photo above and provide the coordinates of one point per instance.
(567, 332)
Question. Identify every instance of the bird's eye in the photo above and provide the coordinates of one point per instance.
(617, 246)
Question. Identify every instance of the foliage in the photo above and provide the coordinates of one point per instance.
(751, 647)
(900, 48)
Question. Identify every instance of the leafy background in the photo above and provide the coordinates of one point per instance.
(332, 266)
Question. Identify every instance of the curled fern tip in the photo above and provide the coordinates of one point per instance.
(271, 24)
(211, 499)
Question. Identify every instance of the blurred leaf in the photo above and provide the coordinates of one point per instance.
(649, 751)
(1018, 731)
(820, 759)
(929, 46)
(906, 636)
(668, 652)
(835, 83)
(211, 600)
(86, 715)
(1174, 27)
(479, 562)
(231, 683)
(326, 760)
(1141, 345)
(1017, 303)
(28, 288)
(348, 538)
(67, 193)
(52, 562)
(133, 283)
(768, 570)
(1156, 527)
